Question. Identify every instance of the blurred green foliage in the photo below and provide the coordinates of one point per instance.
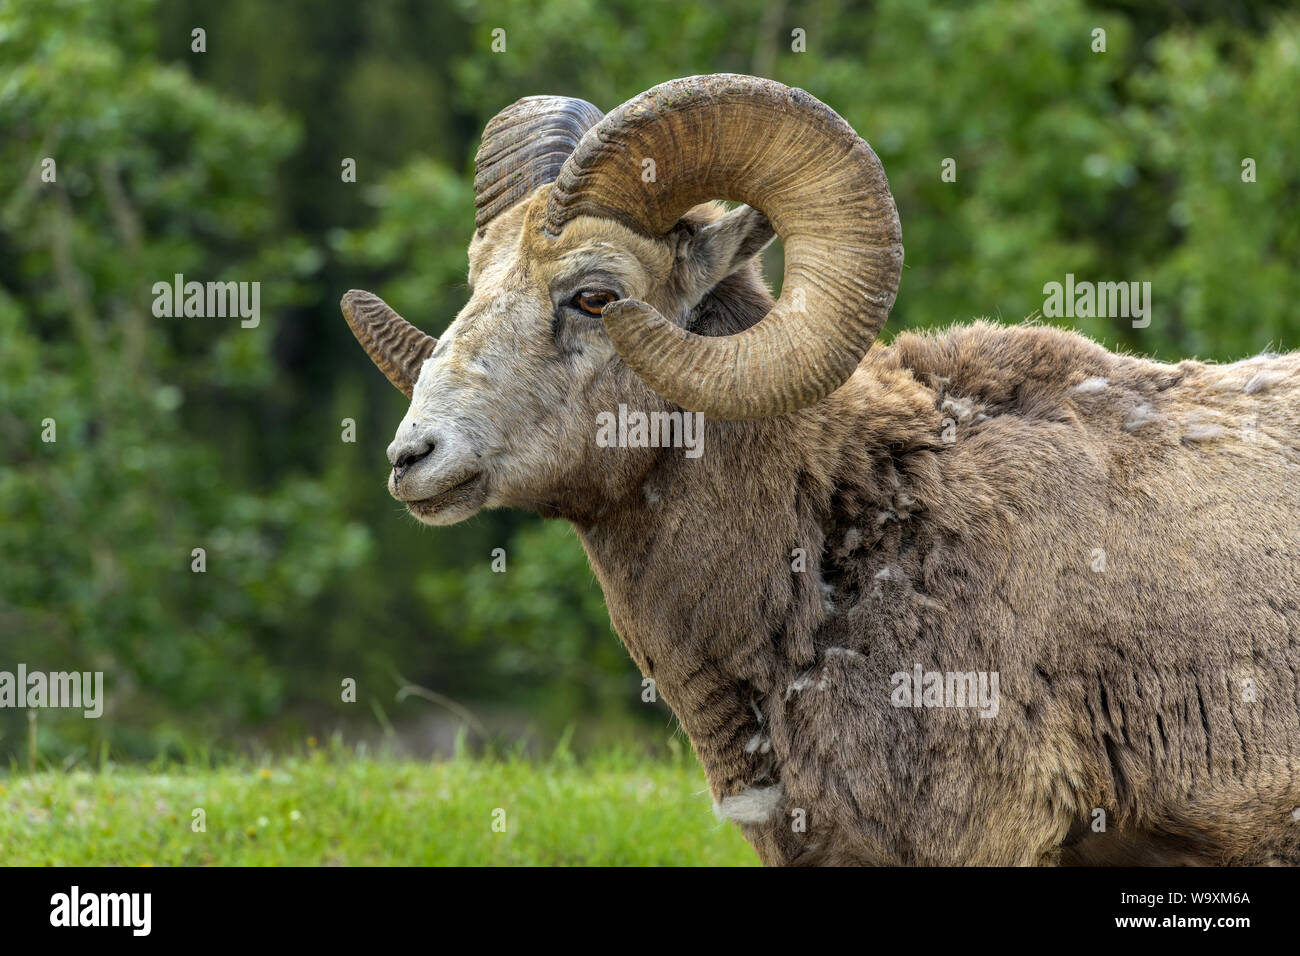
(175, 434)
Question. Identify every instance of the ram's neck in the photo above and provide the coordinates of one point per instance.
(711, 568)
(696, 569)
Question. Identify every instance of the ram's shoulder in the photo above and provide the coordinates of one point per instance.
(1030, 369)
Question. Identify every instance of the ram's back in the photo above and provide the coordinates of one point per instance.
(1163, 498)
(1120, 540)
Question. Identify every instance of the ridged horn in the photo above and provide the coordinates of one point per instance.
(393, 344)
(793, 158)
(523, 147)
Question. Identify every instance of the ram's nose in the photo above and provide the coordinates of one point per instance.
(407, 452)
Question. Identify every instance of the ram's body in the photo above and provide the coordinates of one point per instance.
(1118, 539)
(1114, 541)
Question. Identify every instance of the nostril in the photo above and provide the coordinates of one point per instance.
(409, 457)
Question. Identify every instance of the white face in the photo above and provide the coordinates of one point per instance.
(497, 410)
(504, 413)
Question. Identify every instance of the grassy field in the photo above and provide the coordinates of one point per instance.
(327, 809)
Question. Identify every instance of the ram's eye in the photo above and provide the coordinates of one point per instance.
(592, 301)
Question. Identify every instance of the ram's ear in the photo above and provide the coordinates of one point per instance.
(723, 246)
(708, 254)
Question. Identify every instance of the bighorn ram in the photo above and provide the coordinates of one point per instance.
(1101, 553)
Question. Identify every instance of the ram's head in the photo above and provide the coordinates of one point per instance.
(602, 273)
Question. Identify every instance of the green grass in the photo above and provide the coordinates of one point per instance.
(332, 809)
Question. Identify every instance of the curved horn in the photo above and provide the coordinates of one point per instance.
(393, 344)
(524, 146)
(793, 158)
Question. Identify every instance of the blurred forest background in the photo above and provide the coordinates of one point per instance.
(174, 434)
